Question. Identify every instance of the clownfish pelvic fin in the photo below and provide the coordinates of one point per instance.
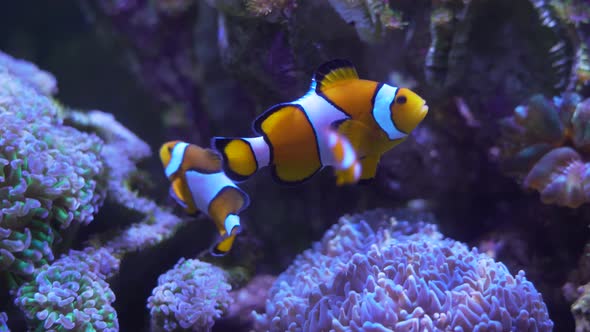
(223, 245)
(362, 138)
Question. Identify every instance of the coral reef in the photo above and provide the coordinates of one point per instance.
(251, 297)
(576, 290)
(545, 145)
(214, 64)
(50, 176)
(374, 272)
(56, 177)
(29, 74)
(71, 294)
(580, 310)
(190, 296)
(121, 151)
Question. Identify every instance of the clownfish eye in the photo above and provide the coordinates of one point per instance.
(401, 99)
(170, 149)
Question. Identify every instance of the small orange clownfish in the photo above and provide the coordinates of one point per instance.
(294, 137)
(199, 184)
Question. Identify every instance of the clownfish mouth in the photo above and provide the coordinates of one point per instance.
(423, 111)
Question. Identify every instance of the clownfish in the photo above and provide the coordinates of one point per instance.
(199, 184)
(293, 137)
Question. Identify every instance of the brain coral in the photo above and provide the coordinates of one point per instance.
(372, 273)
(48, 175)
(546, 145)
(189, 297)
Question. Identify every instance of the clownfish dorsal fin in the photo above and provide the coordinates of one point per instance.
(332, 73)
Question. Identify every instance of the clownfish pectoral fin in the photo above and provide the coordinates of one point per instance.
(223, 245)
(348, 176)
(232, 224)
(179, 191)
(239, 157)
(363, 139)
(369, 165)
(344, 159)
(333, 72)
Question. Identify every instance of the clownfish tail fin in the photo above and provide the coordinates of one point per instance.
(223, 245)
(225, 241)
(239, 157)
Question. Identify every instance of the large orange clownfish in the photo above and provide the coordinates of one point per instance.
(199, 184)
(294, 137)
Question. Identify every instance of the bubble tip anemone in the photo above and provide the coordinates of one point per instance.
(366, 273)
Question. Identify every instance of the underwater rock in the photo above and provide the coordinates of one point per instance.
(174, 7)
(251, 297)
(189, 297)
(410, 170)
(158, 38)
(450, 24)
(370, 18)
(374, 272)
(545, 145)
(193, 61)
(270, 10)
(174, 48)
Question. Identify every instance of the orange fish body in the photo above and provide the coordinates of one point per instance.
(199, 184)
(294, 137)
